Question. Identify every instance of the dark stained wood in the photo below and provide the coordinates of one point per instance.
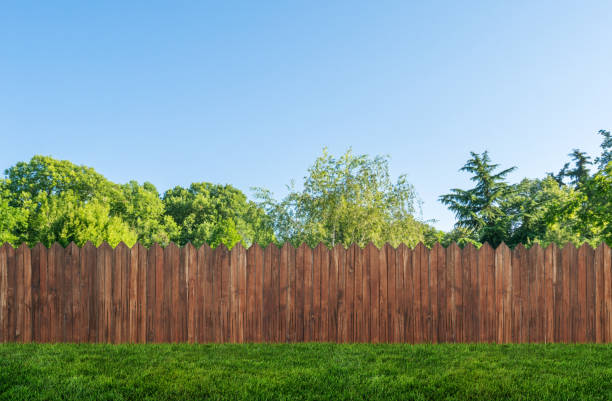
(567, 314)
(125, 295)
(3, 294)
(300, 292)
(43, 306)
(132, 286)
(291, 294)
(420, 310)
(259, 298)
(224, 270)
(438, 263)
(393, 324)
(359, 311)
(607, 277)
(320, 283)
(374, 270)
(142, 301)
(251, 294)
(308, 295)
(350, 292)
(366, 282)
(588, 255)
(283, 312)
(383, 304)
(332, 305)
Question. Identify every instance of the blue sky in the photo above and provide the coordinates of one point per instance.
(248, 93)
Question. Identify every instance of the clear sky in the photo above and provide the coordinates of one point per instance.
(248, 93)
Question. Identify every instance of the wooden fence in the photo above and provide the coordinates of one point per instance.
(269, 294)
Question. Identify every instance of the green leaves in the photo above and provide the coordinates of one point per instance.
(216, 214)
(478, 210)
(345, 200)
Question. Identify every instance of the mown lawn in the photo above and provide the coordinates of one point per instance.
(305, 372)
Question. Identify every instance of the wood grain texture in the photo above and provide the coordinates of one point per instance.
(287, 294)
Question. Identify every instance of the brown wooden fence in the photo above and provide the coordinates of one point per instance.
(269, 294)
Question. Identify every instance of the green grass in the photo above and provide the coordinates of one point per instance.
(305, 372)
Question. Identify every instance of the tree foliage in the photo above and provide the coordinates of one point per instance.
(345, 200)
(574, 205)
(479, 209)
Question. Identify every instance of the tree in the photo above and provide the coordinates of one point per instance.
(141, 207)
(11, 220)
(606, 150)
(345, 200)
(216, 214)
(478, 210)
(580, 173)
(541, 211)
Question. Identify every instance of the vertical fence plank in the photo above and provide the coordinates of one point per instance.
(438, 263)
(400, 294)
(383, 293)
(567, 315)
(550, 289)
(34, 296)
(11, 294)
(599, 294)
(291, 300)
(19, 292)
(201, 294)
(342, 301)
(487, 254)
(284, 294)
(419, 308)
(43, 307)
(366, 282)
(142, 302)
(472, 312)
(588, 255)
(300, 292)
(309, 294)
(26, 323)
(392, 320)
(224, 275)
(251, 294)
(332, 307)
(350, 292)
(358, 323)
(259, 286)
(3, 293)
(607, 277)
(581, 297)
(234, 294)
(268, 295)
(132, 287)
(374, 262)
(320, 283)
(206, 260)
(499, 293)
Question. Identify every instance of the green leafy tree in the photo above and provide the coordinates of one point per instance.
(541, 211)
(345, 200)
(478, 210)
(11, 220)
(141, 207)
(214, 214)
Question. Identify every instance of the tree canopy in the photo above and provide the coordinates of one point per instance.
(345, 200)
(341, 200)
